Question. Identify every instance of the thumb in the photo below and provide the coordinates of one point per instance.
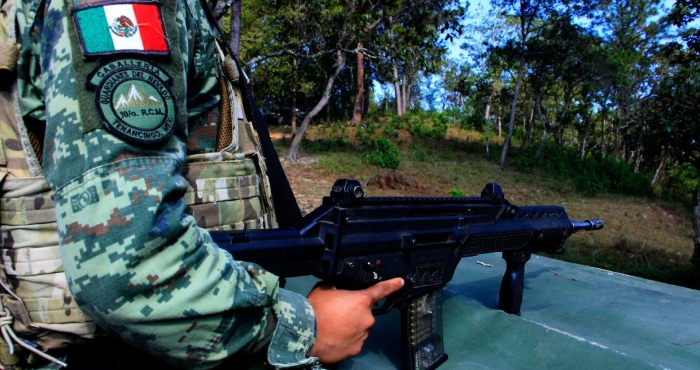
(383, 289)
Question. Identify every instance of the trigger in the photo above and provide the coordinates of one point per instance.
(389, 303)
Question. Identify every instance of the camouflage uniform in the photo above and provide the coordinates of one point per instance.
(136, 260)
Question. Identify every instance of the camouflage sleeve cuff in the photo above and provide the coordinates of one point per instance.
(295, 333)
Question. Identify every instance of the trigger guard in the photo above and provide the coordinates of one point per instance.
(388, 305)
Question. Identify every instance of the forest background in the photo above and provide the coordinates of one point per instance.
(593, 100)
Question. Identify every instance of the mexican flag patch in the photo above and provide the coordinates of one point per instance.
(119, 27)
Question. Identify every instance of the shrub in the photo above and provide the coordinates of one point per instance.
(456, 193)
(391, 132)
(474, 121)
(590, 175)
(366, 132)
(385, 154)
(427, 125)
(681, 180)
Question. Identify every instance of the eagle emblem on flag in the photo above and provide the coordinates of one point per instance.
(123, 27)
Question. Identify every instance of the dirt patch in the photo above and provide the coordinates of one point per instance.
(309, 188)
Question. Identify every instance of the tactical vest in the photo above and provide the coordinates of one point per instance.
(227, 189)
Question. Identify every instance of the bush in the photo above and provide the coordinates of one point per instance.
(590, 175)
(366, 132)
(473, 121)
(456, 193)
(391, 132)
(427, 125)
(385, 154)
(681, 179)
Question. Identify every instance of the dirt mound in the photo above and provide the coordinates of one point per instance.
(394, 180)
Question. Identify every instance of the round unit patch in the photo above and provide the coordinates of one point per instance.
(134, 100)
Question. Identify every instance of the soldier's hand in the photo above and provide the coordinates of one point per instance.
(343, 318)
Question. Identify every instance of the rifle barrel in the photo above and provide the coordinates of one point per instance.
(595, 224)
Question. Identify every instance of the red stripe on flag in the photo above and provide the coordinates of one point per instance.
(150, 27)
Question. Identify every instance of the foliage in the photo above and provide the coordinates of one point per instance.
(391, 132)
(673, 110)
(427, 125)
(456, 193)
(685, 12)
(367, 132)
(591, 175)
(680, 182)
(385, 154)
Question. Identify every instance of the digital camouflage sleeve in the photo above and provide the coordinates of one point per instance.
(136, 263)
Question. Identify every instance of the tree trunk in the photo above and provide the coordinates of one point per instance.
(500, 121)
(296, 143)
(367, 85)
(511, 122)
(488, 108)
(659, 169)
(638, 159)
(488, 135)
(499, 126)
(617, 140)
(586, 132)
(528, 130)
(395, 70)
(560, 134)
(405, 94)
(235, 36)
(547, 134)
(294, 100)
(397, 91)
(359, 96)
(602, 136)
(696, 227)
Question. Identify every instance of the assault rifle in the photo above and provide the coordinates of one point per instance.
(356, 241)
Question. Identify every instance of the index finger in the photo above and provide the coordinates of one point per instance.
(383, 289)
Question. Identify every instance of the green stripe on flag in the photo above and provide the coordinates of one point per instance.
(94, 30)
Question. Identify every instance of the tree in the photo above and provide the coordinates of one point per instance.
(531, 15)
(632, 35)
(685, 12)
(674, 107)
(412, 40)
(562, 60)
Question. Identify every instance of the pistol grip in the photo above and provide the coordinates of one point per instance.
(513, 284)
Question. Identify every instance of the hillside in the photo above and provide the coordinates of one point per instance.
(645, 237)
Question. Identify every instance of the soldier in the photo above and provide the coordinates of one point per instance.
(140, 164)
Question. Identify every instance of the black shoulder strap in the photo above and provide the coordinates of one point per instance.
(286, 207)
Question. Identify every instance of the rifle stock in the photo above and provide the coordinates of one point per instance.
(355, 241)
